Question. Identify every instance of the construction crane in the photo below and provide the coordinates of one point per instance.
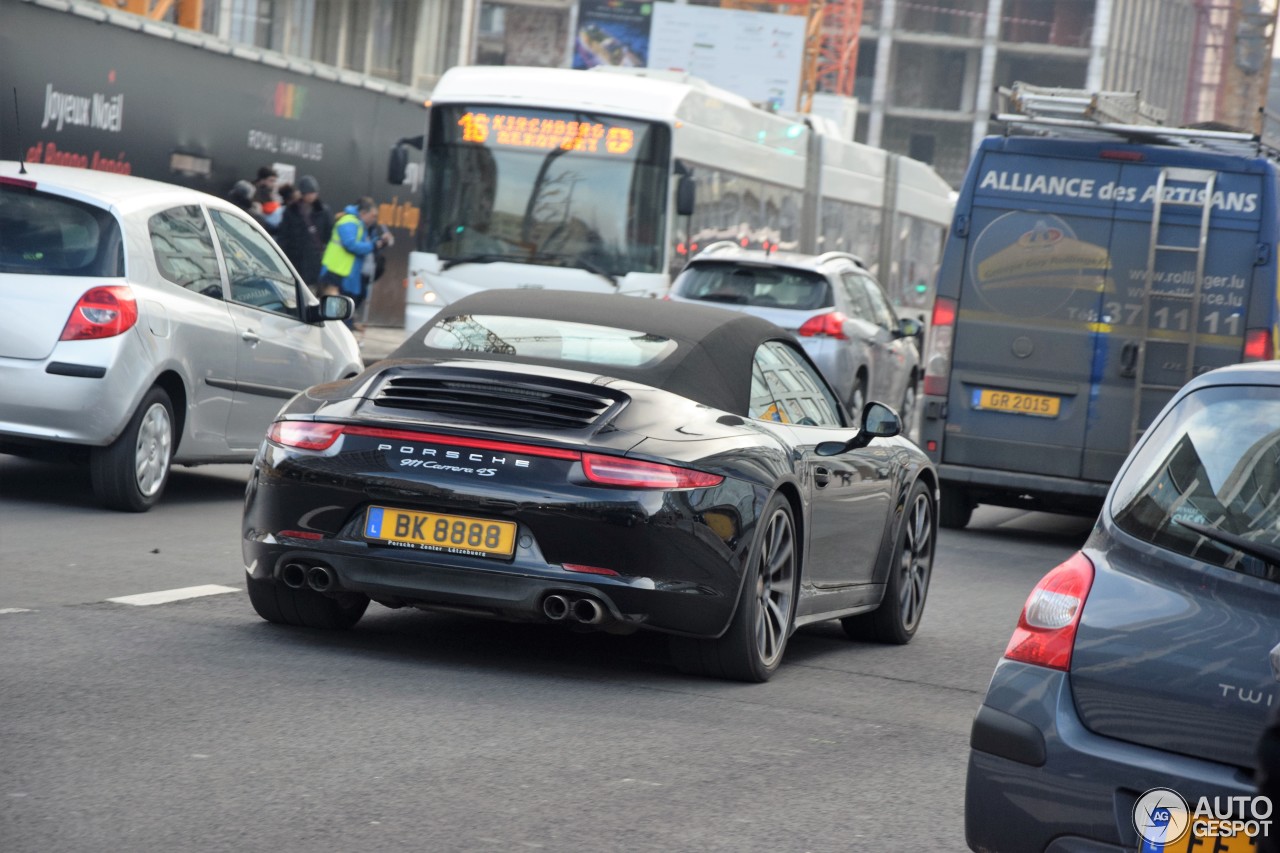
(186, 13)
(831, 42)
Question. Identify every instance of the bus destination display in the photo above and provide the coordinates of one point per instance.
(511, 130)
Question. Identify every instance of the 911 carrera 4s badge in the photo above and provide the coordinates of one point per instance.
(449, 534)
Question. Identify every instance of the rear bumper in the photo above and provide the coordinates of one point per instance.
(675, 573)
(1039, 780)
(1024, 491)
(82, 393)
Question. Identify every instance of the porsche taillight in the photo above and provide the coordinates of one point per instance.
(304, 435)
(1046, 632)
(638, 474)
(102, 312)
(824, 326)
(937, 360)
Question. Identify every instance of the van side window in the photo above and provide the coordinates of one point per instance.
(183, 249)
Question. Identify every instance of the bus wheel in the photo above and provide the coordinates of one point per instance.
(954, 509)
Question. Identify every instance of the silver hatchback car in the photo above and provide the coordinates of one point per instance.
(834, 307)
(145, 325)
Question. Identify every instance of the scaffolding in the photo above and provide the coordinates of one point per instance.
(830, 59)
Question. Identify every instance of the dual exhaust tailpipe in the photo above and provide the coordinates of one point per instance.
(299, 575)
(563, 608)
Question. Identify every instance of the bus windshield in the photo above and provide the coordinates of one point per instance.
(562, 188)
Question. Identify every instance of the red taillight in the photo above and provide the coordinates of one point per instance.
(1046, 632)
(103, 312)
(17, 182)
(1257, 345)
(824, 325)
(301, 534)
(304, 435)
(637, 474)
(937, 360)
(459, 441)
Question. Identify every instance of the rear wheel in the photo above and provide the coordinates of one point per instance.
(305, 608)
(898, 616)
(752, 648)
(907, 411)
(955, 508)
(130, 474)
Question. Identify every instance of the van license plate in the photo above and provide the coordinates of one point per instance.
(1038, 405)
(429, 531)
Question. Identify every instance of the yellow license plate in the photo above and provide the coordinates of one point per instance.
(451, 534)
(1015, 402)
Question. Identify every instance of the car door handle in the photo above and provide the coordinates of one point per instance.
(249, 337)
(821, 476)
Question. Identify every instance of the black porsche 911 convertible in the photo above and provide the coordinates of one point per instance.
(595, 461)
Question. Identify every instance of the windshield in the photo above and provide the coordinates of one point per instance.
(546, 187)
(1207, 483)
(762, 286)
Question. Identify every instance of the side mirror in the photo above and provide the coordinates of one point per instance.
(878, 421)
(398, 164)
(686, 194)
(908, 328)
(336, 307)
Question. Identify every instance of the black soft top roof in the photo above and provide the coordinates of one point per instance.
(714, 347)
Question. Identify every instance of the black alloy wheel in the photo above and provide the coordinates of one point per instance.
(752, 648)
(898, 617)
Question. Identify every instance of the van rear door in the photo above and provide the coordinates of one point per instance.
(1084, 304)
(1032, 290)
(1184, 258)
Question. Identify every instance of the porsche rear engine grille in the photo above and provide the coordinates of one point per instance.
(499, 403)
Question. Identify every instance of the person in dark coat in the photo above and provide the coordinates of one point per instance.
(304, 229)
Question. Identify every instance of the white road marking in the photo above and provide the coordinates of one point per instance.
(4, 610)
(170, 595)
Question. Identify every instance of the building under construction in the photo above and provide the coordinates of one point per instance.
(924, 72)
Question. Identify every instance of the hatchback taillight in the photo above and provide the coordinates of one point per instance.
(937, 360)
(1046, 632)
(102, 312)
(824, 326)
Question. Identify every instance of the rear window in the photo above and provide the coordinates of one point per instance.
(1206, 483)
(759, 286)
(555, 340)
(42, 234)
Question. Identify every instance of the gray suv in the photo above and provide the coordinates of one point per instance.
(831, 303)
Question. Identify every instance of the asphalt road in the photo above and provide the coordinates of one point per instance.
(195, 726)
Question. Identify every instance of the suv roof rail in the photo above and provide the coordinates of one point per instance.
(831, 256)
(718, 246)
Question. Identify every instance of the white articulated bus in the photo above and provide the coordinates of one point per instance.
(607, 181)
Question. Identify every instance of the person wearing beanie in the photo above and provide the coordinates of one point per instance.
(242, 195)
(304, 230)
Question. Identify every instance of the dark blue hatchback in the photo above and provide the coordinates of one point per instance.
(1142, 661)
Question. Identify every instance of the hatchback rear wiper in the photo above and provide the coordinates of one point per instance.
(1269, 554)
